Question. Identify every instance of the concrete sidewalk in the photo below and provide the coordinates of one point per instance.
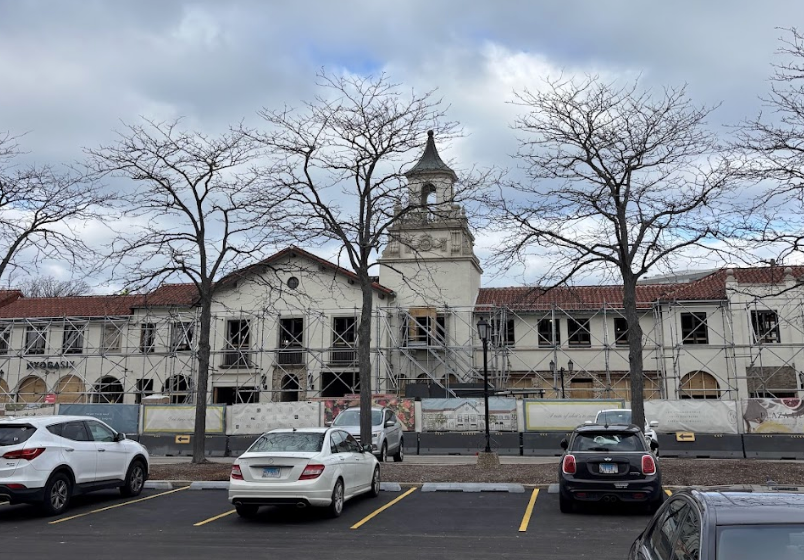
(409, 460)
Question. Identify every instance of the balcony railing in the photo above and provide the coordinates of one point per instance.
(237, 359)
(342, 356)
(290, 357)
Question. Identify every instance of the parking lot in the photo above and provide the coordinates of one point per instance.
(189, 523)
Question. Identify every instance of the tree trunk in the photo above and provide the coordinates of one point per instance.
(199, 432)
(634, 350)
(364, 360)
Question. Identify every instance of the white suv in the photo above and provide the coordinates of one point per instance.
(48, 459)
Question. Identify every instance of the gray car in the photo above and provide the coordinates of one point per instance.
(386, 431)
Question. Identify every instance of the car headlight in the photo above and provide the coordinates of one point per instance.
(375, 437)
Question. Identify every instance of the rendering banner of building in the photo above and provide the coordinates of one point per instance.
(285, 329)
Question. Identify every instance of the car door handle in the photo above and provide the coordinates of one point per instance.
(69, 450)
(101, 451)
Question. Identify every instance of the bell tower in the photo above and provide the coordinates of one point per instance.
(430, 258)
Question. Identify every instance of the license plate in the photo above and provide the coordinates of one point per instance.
(270, 472)
(608, 469)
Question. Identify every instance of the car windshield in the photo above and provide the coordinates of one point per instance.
(15, 433)
(288, 441)
(614, 417)
(351, 417)
(758, 542)
(592, 441)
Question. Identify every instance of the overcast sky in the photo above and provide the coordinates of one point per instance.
(71, 71)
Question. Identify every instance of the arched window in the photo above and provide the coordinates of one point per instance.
(5, 394)
(699, 385)
(107, 390)
(70, 389)
(427, 190)
(289, 388)
(31, 390)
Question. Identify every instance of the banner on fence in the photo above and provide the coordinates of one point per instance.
(563, 414)
(20, 409)
(773, 416)
(179, 418)
(462, 415)
(693, 415)
(122, 417)
(256, 418)
(403, 408)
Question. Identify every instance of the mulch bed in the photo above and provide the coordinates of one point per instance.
(675, 472)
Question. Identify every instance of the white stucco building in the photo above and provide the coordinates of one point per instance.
(284, 328)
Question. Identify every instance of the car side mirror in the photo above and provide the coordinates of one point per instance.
(120, 436)
(389, 424)
(588, 422)
(328, 423)
(366, 448)
(654, 445)
(564, 443)
(654, 424)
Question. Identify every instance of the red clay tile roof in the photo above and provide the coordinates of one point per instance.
(713, 287)
(77, 306)
(291, 250)
(180, 295)
(7, 296)
(575, 297)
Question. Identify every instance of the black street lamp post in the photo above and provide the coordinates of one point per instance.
(483, 332)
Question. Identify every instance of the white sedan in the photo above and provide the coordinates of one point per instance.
(319, 467)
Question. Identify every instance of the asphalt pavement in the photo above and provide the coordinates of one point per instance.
(411, 459)
(409, 523)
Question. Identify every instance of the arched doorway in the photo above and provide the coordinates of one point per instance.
(107, 390)
(699, 385)
(289, 389)
(70, 389)
(450, 379)
(32, 389)
(5, 393)
(178, 388)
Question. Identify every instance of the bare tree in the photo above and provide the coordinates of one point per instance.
(197, 205)
(341, 159)
(48, 286)
(770, 150)
(41, 212)
(619, 183)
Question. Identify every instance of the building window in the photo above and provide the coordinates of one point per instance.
(578, 333)
(238, 343)
(147, 337)
(111, 338)
(291, 337)
(620, 331)
(699, 385)
(549, 333)
(5, 338)
(73, 339)
(765, 327)
(424, 327)
(694, 329)
(181, 336)
(145, 387)
(35, 339)
(503, 336)
(344, 335)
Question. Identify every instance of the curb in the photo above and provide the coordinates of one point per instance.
(472, 487)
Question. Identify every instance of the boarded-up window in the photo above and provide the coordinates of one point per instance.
(699, 385)
(777, 382)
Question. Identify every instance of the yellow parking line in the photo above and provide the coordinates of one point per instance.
(668, 491)
(382, 509)
(117, 505)
(528, 511)
(211, 519)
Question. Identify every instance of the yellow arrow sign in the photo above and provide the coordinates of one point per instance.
(685, 436)
(182, 439)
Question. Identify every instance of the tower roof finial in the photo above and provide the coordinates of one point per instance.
(430, 161)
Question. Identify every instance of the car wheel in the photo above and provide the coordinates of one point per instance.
(246, 511)
(383, 452)
(375, 483)
(135, 480)
(566, 505)
(336, 506)
(399, 456)
(58, 491)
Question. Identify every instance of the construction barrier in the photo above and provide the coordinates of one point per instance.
(181, 445)
(239, 444)
(701, 446)
(774, 446)
(543, 444)
(469, 443)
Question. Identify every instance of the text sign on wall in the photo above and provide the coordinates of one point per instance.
(177, 418)
(563, 414)
(121, 417)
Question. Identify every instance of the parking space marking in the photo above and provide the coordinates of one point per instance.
(668, 491)
(107, 508)
(211, 519)
(382, 509)
(528, 511)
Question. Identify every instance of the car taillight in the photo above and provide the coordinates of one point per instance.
(237, 474)
(311, 471)
(648, 465)
(27, 454)
(568, 465)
